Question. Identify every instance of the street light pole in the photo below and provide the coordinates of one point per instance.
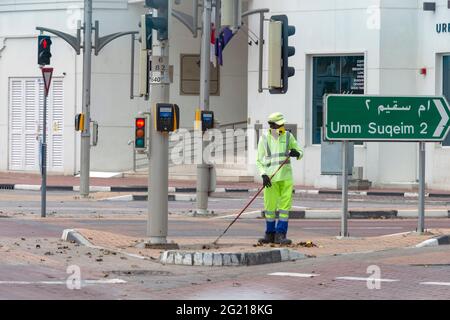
(203, 169)
(86, 100)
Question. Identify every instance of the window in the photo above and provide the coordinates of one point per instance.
(446, 89)
(334, 74)
(190, 76)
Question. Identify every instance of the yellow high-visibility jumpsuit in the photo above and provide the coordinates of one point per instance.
(271, 154)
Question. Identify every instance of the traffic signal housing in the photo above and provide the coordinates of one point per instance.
(146, 26)
(140, 142)
(279, 53)
(44, 51)
(160, 23)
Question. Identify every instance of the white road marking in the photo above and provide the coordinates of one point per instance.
(234, 215)
(86, 282)
(366, 279)
(293, 274)
(436, 283)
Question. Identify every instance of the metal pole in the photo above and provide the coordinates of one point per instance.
(261, 51)
(132, 68)
(344, 223)
(86, 100)
(158, 173)
(44, 160)
(203, 168)
(421, 223)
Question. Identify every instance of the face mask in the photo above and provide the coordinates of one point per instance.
(281, 130)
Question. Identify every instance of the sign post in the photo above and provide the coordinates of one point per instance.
(47, 76)
(421, 215)
(386, 118)
(344, 217)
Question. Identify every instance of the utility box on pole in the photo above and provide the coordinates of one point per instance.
(331, 158)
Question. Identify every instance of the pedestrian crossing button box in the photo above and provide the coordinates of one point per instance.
(167, 117)
(207, 120)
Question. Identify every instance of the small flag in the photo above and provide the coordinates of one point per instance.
(221, 42)
(212, 55)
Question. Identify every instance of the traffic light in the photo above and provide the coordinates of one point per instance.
(279, 53)
(146, 26)
(44, 54)
(140, 134)
(160, 23)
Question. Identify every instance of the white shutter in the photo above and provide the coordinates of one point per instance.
(26, 120)
(16, 140)
(31, 143)
(57, 125)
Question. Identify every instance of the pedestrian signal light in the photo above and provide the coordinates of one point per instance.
(44, 54)
(140, 135)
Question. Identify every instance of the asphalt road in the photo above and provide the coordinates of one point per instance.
(12, 201)
(34, 261)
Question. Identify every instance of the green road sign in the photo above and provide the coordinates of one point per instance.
(385, 118)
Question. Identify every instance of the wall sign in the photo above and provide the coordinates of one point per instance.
(443, 27)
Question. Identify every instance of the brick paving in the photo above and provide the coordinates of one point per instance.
(152, 280)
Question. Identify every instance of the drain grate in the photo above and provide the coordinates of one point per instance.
(6, 187)
(140, 273)
(431, 265)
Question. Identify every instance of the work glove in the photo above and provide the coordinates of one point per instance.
(266, 181)
(294, 153)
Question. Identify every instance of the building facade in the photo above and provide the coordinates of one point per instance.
(385, 47)
(378, 47)
(21, 86)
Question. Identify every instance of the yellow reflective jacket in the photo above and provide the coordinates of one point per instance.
(272, 152)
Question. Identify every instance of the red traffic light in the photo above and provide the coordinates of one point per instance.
(44, 43)
(140, 122)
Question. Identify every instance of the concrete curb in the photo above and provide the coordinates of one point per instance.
(438, 241)
(73, 235)
(365, 214)
(213, 259)
(33, 187)
(224, 259)
(136, 197)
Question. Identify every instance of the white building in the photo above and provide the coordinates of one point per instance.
(363, 46)
(111, 106)
(394, 39)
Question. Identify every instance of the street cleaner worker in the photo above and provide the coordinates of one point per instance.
(274, 148)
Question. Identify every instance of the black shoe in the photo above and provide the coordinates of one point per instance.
(269, 237)
(280, 238)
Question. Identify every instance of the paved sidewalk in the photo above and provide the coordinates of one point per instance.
(322, 246)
